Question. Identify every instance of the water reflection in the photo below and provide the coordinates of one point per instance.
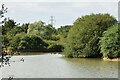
(56, 66)
(94, 68)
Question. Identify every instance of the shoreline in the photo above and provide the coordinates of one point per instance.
(115, 59)
(34, 53)
(104, 59)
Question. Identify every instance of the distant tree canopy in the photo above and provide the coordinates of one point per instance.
(10, 24)
(28, 43)
(83, 37)
(63, 30)
(40, 29)
(35, 28)
(62, 34)
(30, 37)
(110, 42)
(16, 30)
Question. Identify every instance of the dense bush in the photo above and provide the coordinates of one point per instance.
(15, 30)
(63, 31)
(83, 37)
(26, 42)
(40, 29)
(8, 25)
(55, 48)
(110, 42)
(5, 41)
(36, 28)
(16, 40)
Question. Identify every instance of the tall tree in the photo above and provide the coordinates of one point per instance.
(8, 25)
(2, 12)
(110, 42)
(40, 29)
(84, 36)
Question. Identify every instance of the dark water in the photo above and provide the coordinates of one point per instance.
(55, 66)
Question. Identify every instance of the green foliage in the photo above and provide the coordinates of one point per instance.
(16, 40)
(5, 41)
(25, 27)
(79, 40)
(15, 30)
(62, 34)
(28, 42)
(29, 37)
(35, 28)
(110, 42)
(9, 30)
(63, 30)
(40, 29)
(48, 32)
(83, 37)
(3, 10)
(55, 48)
(7, 27)
(10, 24)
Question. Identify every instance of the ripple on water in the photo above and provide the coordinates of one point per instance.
(55, 66)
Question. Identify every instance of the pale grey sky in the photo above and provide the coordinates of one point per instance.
(65, 13)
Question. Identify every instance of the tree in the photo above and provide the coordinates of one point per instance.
(3, 52)
(25, 27)
(36, 28)
(63, 30)
(2, 12)
(84, 36)
(110, 42)
(48, 32)
(62, 33)
(24, 42)
(8, 25)
(55, 48)
(16, 30)
(16, 40)
(40, 29)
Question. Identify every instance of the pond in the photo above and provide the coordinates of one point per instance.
(56, 66)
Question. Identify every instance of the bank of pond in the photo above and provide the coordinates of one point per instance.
(53, 53)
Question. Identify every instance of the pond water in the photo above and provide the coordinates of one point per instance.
(56, 66)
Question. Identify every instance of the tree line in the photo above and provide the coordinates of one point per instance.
(31, 37)
(94, 35)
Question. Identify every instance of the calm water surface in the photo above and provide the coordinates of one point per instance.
(55, 66)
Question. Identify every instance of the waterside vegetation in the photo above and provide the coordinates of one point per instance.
(90, 36)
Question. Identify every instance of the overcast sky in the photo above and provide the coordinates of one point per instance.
(65, 13)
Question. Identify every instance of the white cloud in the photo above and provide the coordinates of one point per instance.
(64, 12)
